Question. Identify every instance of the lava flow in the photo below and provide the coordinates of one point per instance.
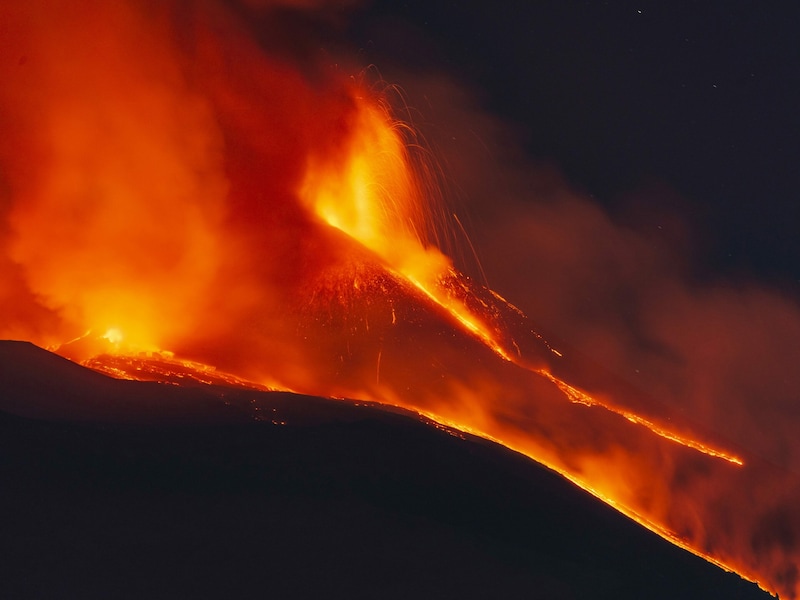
(189, 200)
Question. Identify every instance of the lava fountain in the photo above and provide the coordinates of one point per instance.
(173, 195)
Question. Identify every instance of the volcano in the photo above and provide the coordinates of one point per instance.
(138, 489)
(249, 235)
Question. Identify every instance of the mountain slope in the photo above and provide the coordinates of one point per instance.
(192, 492)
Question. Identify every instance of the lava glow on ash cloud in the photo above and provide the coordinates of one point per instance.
(166, 185)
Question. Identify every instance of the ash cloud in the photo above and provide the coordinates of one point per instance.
(150, 159)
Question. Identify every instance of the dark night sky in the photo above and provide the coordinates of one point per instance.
(696, 97)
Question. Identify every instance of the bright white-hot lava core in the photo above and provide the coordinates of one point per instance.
(174, 197)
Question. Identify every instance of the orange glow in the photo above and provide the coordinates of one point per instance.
(576, 395)
(370, 192)
(114, 336)
(182, 207)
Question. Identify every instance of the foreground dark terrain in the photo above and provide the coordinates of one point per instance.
(119, 489)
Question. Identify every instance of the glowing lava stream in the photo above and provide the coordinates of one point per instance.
(629, 512)
(373, 197)
(578, 396)
(474, 326)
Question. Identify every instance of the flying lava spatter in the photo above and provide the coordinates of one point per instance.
(175, 198)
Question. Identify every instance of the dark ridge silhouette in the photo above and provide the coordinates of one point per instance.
(120, 489)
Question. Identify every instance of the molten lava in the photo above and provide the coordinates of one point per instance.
(189, 201)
